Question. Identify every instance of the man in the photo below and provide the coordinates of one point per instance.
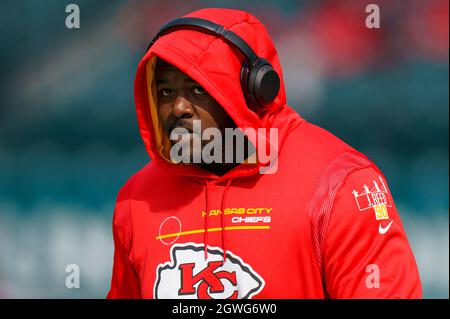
(299, 214)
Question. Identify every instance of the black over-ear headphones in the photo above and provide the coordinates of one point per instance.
(259, 81)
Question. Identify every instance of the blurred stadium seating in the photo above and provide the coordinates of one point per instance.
(69, 138)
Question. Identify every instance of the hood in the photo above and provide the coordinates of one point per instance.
(216, 65)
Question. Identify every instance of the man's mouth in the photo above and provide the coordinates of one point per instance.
(182, 125)
(187, 128)
(181, 131)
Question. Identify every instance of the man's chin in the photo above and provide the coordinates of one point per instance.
(191, 151)
(183, 139)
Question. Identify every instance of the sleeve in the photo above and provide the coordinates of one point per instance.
(125, 281)
(366, 253)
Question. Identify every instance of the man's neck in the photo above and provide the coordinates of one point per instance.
(222, 168)
(218, 169)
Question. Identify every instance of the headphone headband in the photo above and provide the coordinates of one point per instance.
(205, 26)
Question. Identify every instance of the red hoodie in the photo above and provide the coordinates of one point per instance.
(324, 225)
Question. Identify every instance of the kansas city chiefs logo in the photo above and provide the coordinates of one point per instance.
(189, 276)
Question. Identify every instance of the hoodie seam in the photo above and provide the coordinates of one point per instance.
(130, 255)
(338, 190)
(131, 230)
(355, 167)
(130, 190)
(219, 38)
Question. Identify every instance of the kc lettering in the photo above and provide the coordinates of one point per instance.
(189, 276)
(207, 279)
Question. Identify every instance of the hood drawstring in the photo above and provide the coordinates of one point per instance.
(222, 219)
(205, 234)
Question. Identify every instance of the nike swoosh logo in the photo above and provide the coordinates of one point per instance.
(383, 230)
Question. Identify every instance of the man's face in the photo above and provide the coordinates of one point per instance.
(181, 100)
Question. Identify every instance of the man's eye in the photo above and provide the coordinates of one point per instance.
(199, 90)
(165, 92)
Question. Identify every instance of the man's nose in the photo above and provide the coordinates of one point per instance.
(182, 107)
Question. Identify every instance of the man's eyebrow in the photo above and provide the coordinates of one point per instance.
(161, 81)
(164, 80)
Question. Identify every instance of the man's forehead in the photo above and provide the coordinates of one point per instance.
(162, 65)
(164, 70)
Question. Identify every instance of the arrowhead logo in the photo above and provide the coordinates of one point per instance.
(189, 276)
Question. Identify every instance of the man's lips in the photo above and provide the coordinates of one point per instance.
(181, 133)
(189, 129)
(182, 124)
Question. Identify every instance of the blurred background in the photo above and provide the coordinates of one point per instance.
(69, 137)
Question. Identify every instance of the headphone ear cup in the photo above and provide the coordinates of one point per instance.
(246, 89)
(266, 85)
(260, 84)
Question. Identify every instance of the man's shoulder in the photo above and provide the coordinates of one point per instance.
(312, 143)
(310, 135)
(315, 149)
(144, 178)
